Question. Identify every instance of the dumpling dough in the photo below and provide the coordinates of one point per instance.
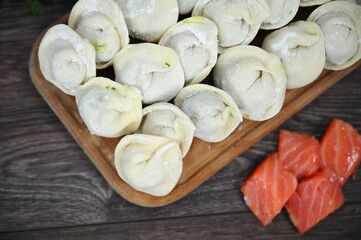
(212, 110)
(66, 60)
(108, 108)
(166, 120)
(307, 3)
(254, 78)
(155, 70)
(149, 164)
(238, 21)
(301, 48)
(195, 41)
(149, 19)
(103, 24)
(282, 12)
(340, 23)
(186, 6)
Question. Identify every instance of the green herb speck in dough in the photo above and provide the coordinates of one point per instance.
(107, 87)
(167, 64)
(113, 88)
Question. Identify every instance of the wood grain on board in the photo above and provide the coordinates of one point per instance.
(202, 161)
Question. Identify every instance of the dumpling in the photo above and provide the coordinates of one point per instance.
(186, 6)
(108, 108)
(195, 41)
(149, 19)
(166, 120)
(103, 24)
(282, 12)
(149, 164)
(254, 78)
(66, 59)
(155, 70)
(301, 48)
(238, 21)
(212, 110)
(340, 23)
(307, 3)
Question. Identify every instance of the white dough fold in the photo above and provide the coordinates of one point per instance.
(66, 60)
(195, 41)
(155, 70)
(108, 108)
(340, 23)
(149, 19)
(149, 164)
(103, 24)
(301, 48)
(213, 111)
(166, 120)
(186, 6)
(238, 21)
(254, 78)
(281, 13)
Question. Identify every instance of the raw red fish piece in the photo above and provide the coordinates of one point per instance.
(315, 198)
(268, 188)
(299, 153)
(341, 149)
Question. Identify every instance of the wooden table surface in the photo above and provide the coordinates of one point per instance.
(49, 189)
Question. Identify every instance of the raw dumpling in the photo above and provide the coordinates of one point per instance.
(307, 3)
(254, 78)
(108, 108)
(166, 120)
(149, 19)
(66, 60)
(238, 21)
(212, 110)
(186, 6)
(282, 12)
(149, 164)
(195, 41)
(340, 23)
(155, 70)
(301, 48)
(103, 24)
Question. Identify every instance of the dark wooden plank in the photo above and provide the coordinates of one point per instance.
(47, 181)
(53, 182)
(226, 226)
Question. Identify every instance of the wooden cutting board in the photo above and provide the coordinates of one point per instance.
(202, 161)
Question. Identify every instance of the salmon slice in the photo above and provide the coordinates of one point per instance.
(315, 198)
(341, 149)
(299, 153)
(268, 188)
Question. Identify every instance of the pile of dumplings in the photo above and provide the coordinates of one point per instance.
(173, 59)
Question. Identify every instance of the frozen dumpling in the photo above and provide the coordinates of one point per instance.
(212, 110)
(186, 6)
(108, 108)
(301, 48)
(254, 78)
(155, 70)
(238, 21)
(340, 23)
(307, 3)
(102, 23)
(149, 19)
(281, 13)
(195, 41)
(166, 120)
(66, 59)
(149, 164)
